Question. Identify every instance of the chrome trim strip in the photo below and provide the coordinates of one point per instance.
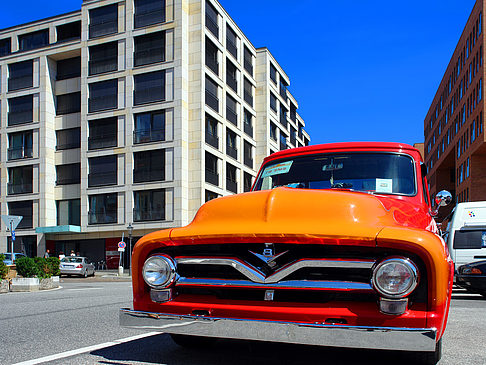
(257, 276)
(383, 338)
(290, 284)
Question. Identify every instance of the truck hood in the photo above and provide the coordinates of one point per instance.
(283, 214)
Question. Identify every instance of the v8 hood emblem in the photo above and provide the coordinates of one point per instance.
(269, 255)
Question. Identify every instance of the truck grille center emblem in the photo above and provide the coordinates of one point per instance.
(269, 255)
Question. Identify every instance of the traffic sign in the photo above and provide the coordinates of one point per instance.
(121, 249)
(11, 221)
(13, 235)
(122, 244)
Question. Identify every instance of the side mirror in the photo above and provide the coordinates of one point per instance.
(442, 199)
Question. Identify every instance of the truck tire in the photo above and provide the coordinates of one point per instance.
(193, 341)
(431, 357)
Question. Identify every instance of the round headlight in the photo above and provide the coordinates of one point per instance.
(395, 277)
(159, 271)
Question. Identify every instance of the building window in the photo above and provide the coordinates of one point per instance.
(273, 74)
(20, 75)
(149, 127)
(103, 21)
(231, 75)
(273, 131)
(149, 205)
(212, 19)
(231, 42)
(20, 110)
(209, 195)
(68, 32)
(103, 58)
(212, 176)
(247, 182)
(103, 171)
(19, 145)
(5, 47)
(248, 154)
(248, 92)
(283, 89)
(149, 166)
(293, 134)
(231, 173)
(68, 212)
(212, 132)
(231, 146)
(103, 209)
(212, 56)
(148, 12)
(480, 90)
(103, 133)
(68, 138)
(467, 167)
(212, 94)
(231, 110)
(273, 102)
(68, 103)
(103, 95)
(149, 87)
(25, 209)
(283, 142)
(68, 174)
(34, 40)
(149, 49)
(248, 123)
(68, 68)
(20, 180)
(248, 60)
(283, 116)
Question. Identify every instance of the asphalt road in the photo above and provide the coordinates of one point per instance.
(78, 324)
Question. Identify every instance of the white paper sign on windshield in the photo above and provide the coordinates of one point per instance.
(280, 168)
(384, 186)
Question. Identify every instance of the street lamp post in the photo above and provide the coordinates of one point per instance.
(130, 231)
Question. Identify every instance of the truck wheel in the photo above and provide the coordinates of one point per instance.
(432, 357)
(193, 341)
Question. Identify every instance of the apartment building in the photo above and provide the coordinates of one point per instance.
(124, 117)
(455, 143)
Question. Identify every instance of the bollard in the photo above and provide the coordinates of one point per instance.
(120, 270)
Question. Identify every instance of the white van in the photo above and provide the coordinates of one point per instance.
(466, 233)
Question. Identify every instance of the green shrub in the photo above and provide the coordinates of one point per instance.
(53, 263)
(3, 268)
(42, 268)
(26, 267)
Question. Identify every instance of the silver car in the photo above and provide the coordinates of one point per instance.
(76, 265)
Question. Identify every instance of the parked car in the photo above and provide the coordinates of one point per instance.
(8, 257)
(76, 265)
(335, 245)
(472, 277)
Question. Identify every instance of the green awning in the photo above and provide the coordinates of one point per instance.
(59, 229)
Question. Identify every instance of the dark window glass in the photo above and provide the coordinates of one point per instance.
(149, 49)
(283, 116)
(212, 132)
(149, 205)
(68, 68)
(19, 145)
(212, 56)
(68, 212)
(231, 147)
(20, 75)
(293, 112)
(273, 131)
(149, 166)
(469, 239)
(23, 208)
(283, 89)
(248, 61)
(149, 127)
(283, 142)
(248, 92)
(148, 12)
(34, 40)
(209, 195)
(248, 182)
(68, 32)
(20, 180)
(273, 73)
(231, 42)
(103, 209)
(68, 103)
(248, 154)
(248, 123)
(103, 58)
(103, 21)
(103, 95)
(273, 102)
(149, 87)
(293, 134)
(231, 184)
(212, 175)
(103, 133)
(20, 110)
(231, 75)
(102, 171)
(212, 19)
(231, 110)
(68, 138)
(5, 47)
(68, 174)
(212, 94)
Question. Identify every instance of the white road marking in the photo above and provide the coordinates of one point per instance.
(83, 350)
(81, 289)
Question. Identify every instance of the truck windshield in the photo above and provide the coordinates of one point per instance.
(382, 173)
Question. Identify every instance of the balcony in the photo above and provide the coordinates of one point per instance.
(102, 179)
(149, 17)
(212, 26)
(22, 117)
(103, 28)
(140, 215)
(102, 141)
(22, 188)
(248, 98)
(212, 100)
(231, 116)
(248, 129)
(212, 140)
(17, 153)
(232, 152)
(148, 175)
(231, 186)
(145, 136)
(212, 177)
(18, 83)
(248, 161)
(105, 217)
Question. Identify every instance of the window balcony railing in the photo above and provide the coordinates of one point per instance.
(231, 186)
(212, 140)
(102, 179)
(212, 177)
(68, 180)
(22, 117)
(231, 116)
(143, 19)
(248, 129)
(103, 28)
(68, 145)
(248, 98)
(101, 103)
(212, 25)
(148, 175)
(17, 83)
(212, 100)
(22, 188)
(248, 161)
(149, 95)
(17, 153)
(149, 56)
(145, 136)
(231, 47)
(212, 63)
(102, 141)
(104, 217)
(232, 152)
(140, 215)
(102, 66)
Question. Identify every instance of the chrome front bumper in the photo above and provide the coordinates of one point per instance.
(383, 338)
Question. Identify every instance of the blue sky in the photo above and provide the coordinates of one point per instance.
(361, 70)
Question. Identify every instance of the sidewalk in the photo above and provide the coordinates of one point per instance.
(104, 275)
